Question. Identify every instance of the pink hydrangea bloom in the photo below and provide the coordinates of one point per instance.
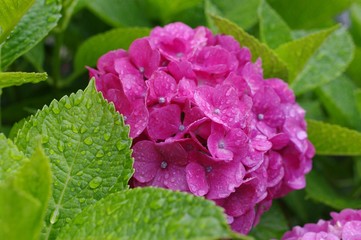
(345, 225)
(205, 121)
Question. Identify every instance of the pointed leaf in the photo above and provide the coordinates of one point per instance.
(88, 146)
(24, 194)
(94, 47)
(230, 9)
(272, 65)
(318, 189)
(340, 105)
(10, 14)
(331, 139)
(273, 29)
(327, 63)
(149, 213)
(298, 52)
(32, 28)
(8, 79)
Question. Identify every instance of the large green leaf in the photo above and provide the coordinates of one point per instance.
(330, 60)
(120, 13)
(24, 193)
(298, 52)
(88, 146)
(149, 213)
(8, 79)
(32, 28)
(10, 14)
(273, 30)
(309, 13)
(231, 10)
(272, 65)
(355, 28)
(331, 139)
(340, 105)
(318, 189)
(94, 47)
(273, 224)
(354, 70)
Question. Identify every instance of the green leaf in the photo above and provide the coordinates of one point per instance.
(32, 28)
(272, 65)
(318, 189)
(331, 139)
(329, 61)
(354, 70)
(298, 52)
(8, 79)
(24, 195)
(231, 10)
(10, 14)
(309, 13)
(119, 13)
(340, 105)
(89, 150)
(273, 224)
(149, 213)
(94, 47)
(36, 56)
(355, 28)
(273, 30)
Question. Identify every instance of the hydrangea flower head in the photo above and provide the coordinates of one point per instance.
(345, 225)
(205, 121)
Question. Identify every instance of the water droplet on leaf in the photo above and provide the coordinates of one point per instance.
(106, 136)
(54, 216)
(88, 141)
(95, 182)
(55, 108)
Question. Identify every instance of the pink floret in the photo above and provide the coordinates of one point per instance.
(345, 225)
(205, 121)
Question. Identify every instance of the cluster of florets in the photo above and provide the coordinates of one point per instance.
(345, 225)
(203, 120)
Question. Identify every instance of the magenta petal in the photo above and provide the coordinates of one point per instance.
(243, 224)
(146, 161)
(162, 87)
(196, 179)
(144, 57)
(279, 141)
(217, 144)
(106, 62)
(138, 119)
(176, 179)
(164, 122)
(352, 230)
(173, 153)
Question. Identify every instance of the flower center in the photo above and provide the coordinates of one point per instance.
(217, 111)
(209, 169)
(161, 100)
(260, 116)
(179, 55)
(181, 127)
(221, 145)
(141, 69)
(163, 165)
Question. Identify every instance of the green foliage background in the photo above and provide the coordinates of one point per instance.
(313, 45)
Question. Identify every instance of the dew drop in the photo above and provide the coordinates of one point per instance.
(88, 141)
(117, 122)
(96, 129)
(51, 151)
(99, 162)
(100, 154)
(55, 108)
(80, 173)
(44, 139)
(95, 182)
(67, 103)
(68, 220)
(88, 104)
(157, 204)
(161, 100)
(15, 155)
(52, 19)
(54, 216)
(74, 129)
(120, 145)
(78, 98)
(301, 135)
(82, 152)
(106, 136)
(83, 129)
(81, 200)
(61, 146)
(35, 123)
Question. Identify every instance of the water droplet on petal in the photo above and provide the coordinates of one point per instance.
(301, 135)
(95, 182)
